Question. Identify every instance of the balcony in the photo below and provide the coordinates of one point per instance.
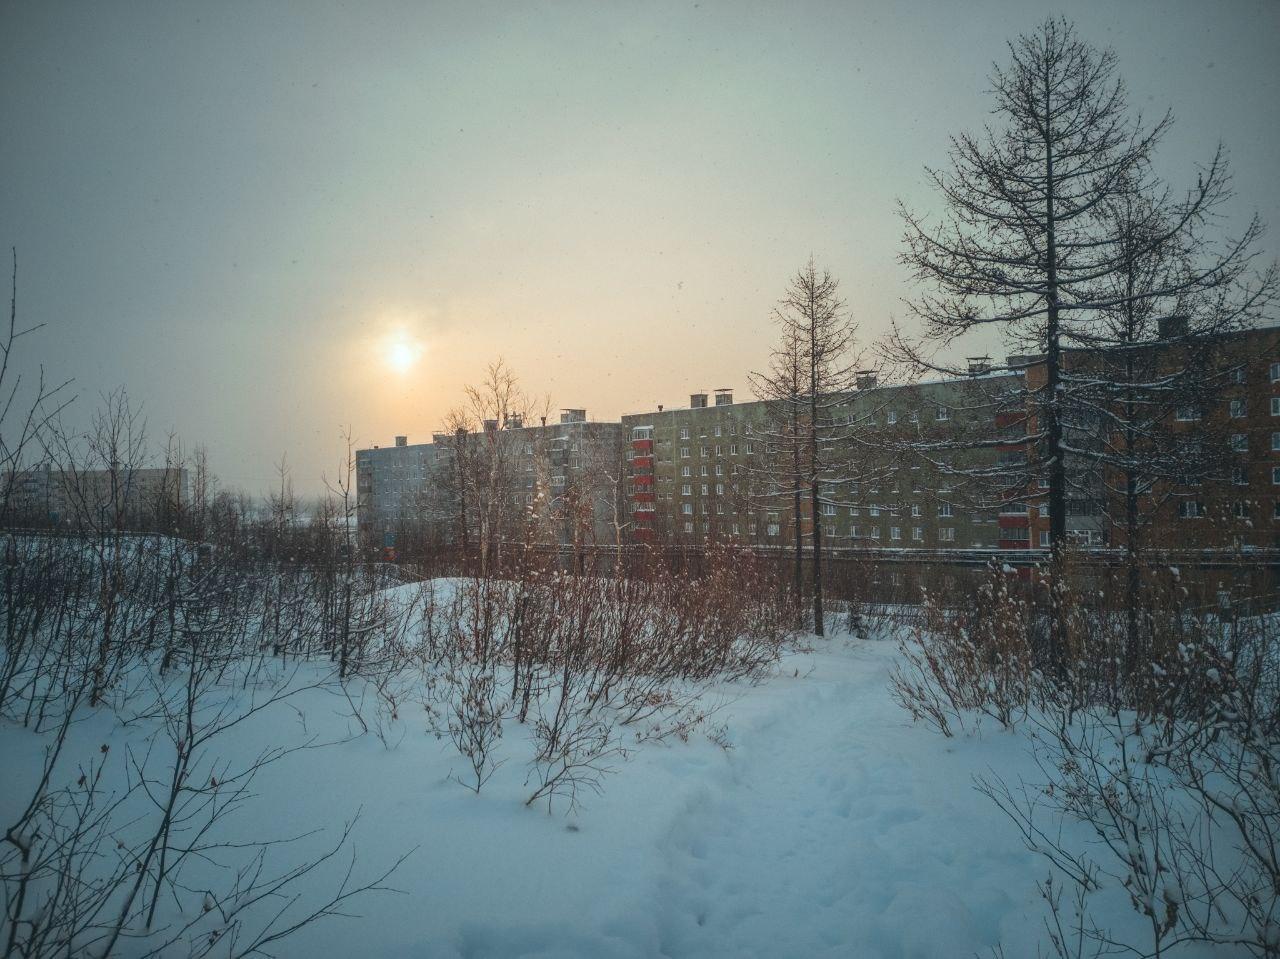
(646, 480)
(642, 446)
(642, 497)
(642, 462)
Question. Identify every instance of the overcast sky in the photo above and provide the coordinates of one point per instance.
(237, 209)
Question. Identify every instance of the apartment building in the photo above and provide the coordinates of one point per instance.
(912, 467)
(943, 464)
(558, 482)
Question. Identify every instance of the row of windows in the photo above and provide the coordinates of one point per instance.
(1240, 441)
(704, 450)
(1240, 509)
(1237, 409)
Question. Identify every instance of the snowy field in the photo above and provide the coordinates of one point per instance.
(821, 823)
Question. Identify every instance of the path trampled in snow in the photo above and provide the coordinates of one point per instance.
(841, 831)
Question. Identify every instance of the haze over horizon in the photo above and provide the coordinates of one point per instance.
(273, 221)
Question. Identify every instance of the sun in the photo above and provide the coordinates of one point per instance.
(402, 354)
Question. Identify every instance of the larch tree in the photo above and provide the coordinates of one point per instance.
(1023, 246)
(811, 374)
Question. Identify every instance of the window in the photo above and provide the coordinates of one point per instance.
(703, 470)
(686, 489)
(717, 434)
(1239, 442)
(717, 446)
(734, 529)
(733, 449)
(719, 489)
(1237, 375)
(1240, 509)
(854, 511)
(772, 529)
(702, 451)
(684, 432)
(828, 509)
(941, 413)
(1275, 406)
(1275, 442)
(688, 527)
(557, 481)
(1275, 476)
(719, 470)
(875, 532)
(895, 532)
(1237, 409)
(854, 532)
(686, 509)
(947, 534)
(1239, 477)
(1275, 372)
(874, 511)
(1190, 412)
(1191, 509)
(891, 417)
(684, 452)
(686, 471)
(917, 533)
(1044, 537)
(751, 529)
(915, 509)
(946, 509)
(751, 448)
(704, 489)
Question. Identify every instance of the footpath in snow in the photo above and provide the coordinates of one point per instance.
(832, 827)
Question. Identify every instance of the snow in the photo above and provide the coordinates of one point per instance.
(831, 827)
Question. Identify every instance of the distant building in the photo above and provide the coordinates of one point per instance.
(45, 496)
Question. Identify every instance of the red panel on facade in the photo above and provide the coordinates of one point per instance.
(645, 480)
(1013, 522)
(642, 446)
(642, 462)
(642, 497)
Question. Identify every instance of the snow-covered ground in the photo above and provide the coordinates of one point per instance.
(832, 826)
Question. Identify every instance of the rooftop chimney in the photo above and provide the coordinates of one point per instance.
(490, 426)
(867, 380)
(659, 407)
(402, 441)
(724, 397)
(698, 401)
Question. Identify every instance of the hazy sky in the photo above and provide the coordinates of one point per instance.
(235, 209)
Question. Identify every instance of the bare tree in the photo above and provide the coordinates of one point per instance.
(813, 371)
(1023, 245)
